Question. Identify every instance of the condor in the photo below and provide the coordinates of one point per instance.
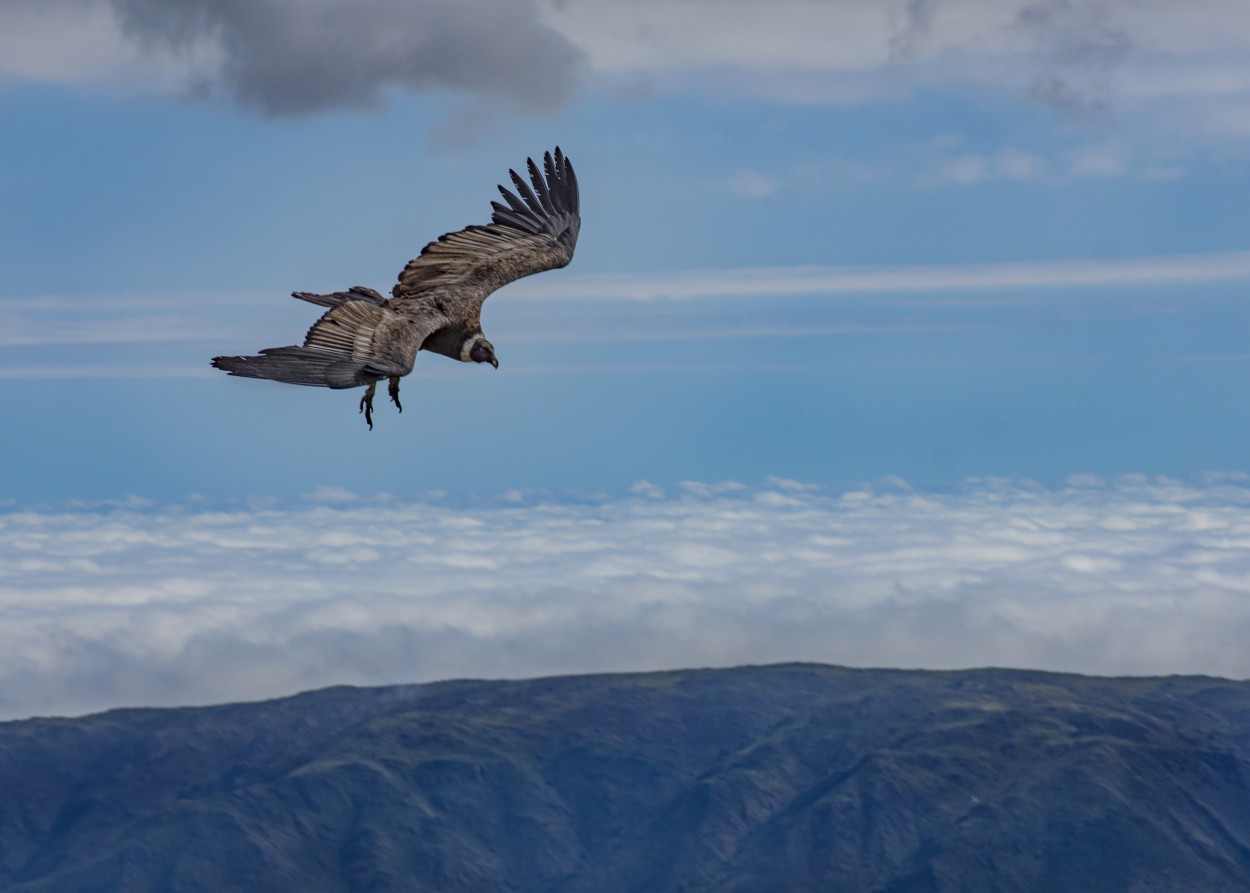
(437, 303)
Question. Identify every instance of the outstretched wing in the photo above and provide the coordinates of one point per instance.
(356, 342)
(535, 231)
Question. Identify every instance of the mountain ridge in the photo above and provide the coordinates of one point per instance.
(784, 777)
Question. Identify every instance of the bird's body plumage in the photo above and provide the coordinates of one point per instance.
(436, 305)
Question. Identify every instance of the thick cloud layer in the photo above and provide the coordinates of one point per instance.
(290, 57)
(134, 605)
(296, 56)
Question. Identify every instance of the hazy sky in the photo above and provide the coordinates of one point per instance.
(828, 248)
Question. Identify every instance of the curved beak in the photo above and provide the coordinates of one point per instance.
(494, 362)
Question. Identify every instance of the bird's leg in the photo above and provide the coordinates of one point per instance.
(393, 390)
(366, 404)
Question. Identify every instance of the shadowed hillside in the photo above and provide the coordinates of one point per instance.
(786, 778)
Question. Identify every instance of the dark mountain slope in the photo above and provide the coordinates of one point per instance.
(787, 778)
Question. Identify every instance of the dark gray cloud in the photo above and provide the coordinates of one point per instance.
(917, 22)
(295, 57)
(1073, 46)
(1079, 45)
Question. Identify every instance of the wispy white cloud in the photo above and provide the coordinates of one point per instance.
(128, 336)
(971, 167)
(752, 184)
(138, 318)
(955, 159)
(1069, 166)
(122, 368)
(1100, 160)
(815, 280)
(194, 603)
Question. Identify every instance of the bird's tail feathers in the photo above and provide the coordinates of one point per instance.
(298, 365)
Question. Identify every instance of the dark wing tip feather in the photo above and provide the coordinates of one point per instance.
(555, 176)
(519, 208)
(560, 171)
(528, 194)
(540, 187)
(554, 193)
(575, 201)
(511, 218)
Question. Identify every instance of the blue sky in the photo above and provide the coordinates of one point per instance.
(154, 217)
(930, 241)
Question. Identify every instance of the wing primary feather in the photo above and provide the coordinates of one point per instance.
(558, 190)
(575, 201)
(540, 187)
(506, 216)
(522, 209)
(563, 169)
(528, 194)
(522, 216)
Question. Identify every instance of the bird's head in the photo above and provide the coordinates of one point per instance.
(478, 350)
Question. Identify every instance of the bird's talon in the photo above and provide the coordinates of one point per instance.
(393, 390)
(366, 406)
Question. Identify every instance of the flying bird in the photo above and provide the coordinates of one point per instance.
(437, 303)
